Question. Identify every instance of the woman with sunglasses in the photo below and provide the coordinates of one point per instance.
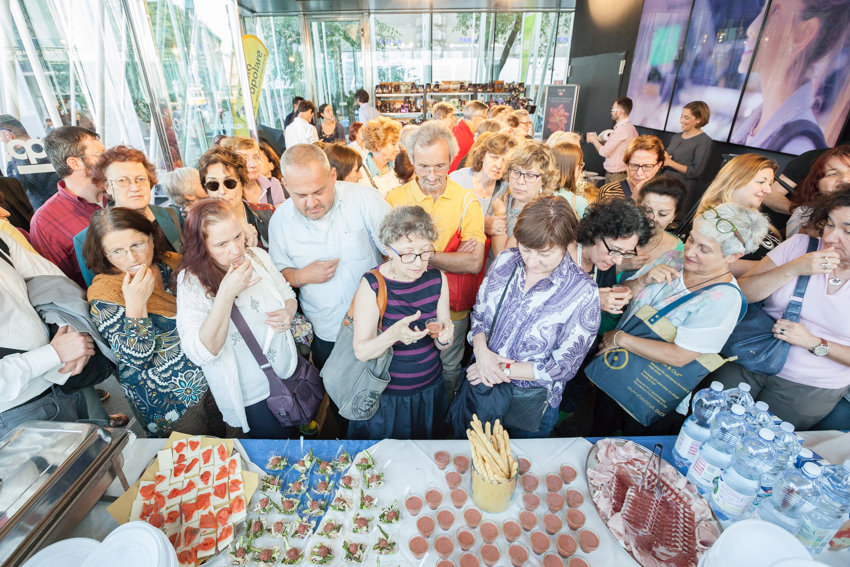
(224, 176)
(745, 181)
(417, 325)
(531, 172)
(127, 177)
(703, 324)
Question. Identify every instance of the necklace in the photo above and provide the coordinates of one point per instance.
(706, 281)
(835, 281)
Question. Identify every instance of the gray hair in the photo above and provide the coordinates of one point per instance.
(179, 183)
(441, 110)
(429, 134)
(406, 133)
(751, 224)
(558, 137)
(404, 221)
(301, 156)
(474, 108)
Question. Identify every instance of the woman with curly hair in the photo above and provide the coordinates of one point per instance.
(830, 169)
(531, 172)
(134, 308)
(126, 175)
(381, 139)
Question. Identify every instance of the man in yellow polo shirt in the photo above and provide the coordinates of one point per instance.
(431, 149)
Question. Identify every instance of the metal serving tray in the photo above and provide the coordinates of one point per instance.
(51, 476)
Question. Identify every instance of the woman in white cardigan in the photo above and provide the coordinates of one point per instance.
(218, 271)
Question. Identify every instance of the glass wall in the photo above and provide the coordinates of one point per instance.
(400, 47)
(338, 56)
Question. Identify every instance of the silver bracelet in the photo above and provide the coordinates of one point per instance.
(614, 340)
(296, 279)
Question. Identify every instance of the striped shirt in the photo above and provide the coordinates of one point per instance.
(616, 190)
(417, 365)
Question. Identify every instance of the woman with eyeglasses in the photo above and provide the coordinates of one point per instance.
(134, 307)
(570, 161)
(745, 181)
(224, 176)
(531, 172)
(417, 325)
(703, 325)
(644, 157)
(126, 175)
(381, 138)
(259, 188)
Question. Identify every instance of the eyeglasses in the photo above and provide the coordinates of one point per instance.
(528, 177)
(428, 169)
(135, 249)
(125, 182)
(619, 253)
(410, 258)
(647, 167)
(229, 182)
(723, 226)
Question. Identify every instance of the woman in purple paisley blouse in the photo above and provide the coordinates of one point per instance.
(550, 314)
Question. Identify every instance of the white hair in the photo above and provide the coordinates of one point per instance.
(406, 132)
(751, 225)
(179, 183)
(429, 134)
(558, 137)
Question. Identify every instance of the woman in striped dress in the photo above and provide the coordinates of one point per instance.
(414, 403)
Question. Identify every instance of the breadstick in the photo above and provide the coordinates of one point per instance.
(497, 428)
(507, 443)
(487, 430)
(494, 454)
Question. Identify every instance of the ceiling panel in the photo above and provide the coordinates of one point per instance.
(332, 6)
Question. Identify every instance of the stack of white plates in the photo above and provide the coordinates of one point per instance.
(67, 553)
(135, 544)
(754, 543)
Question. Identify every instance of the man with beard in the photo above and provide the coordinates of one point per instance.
(73, 151)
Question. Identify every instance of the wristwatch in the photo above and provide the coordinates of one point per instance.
(822, 349)
(507, 369)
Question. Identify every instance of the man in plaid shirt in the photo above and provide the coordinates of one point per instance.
(73, 151)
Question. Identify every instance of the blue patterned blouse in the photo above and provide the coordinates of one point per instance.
(553, 324)
(153, 370)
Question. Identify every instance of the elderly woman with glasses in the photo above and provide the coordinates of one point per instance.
(224, 176)
(703, 325)
(644, 157)
(134, 308)
(417, 325)
(126, 175)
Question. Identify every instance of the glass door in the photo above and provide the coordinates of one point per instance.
(339, 48)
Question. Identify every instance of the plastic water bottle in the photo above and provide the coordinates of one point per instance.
(758, 417)
(738, 486)
(820, 525)
(795, 492)
(740, 395)
(803, 457)
(787, 447)
(716, 454)
(697, 428)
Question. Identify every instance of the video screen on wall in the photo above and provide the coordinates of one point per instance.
(775, 73)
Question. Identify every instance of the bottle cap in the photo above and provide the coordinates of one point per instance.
(766, 434)
(744, 387)
(806, 454)
(786, 427)
(762, 406)
(717, 386)
(811, 469)
(737, 409)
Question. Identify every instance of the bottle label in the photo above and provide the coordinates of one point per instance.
(730, 500)
(687, 446)
(704, 472)
(812, 536)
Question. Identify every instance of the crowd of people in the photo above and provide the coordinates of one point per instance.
(480, 256)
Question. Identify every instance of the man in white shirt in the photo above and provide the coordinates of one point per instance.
(367, 112)
(31, 364)
(302, 131)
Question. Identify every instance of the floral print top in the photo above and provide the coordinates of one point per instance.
(153, 369)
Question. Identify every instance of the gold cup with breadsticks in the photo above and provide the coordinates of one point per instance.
(494, 467)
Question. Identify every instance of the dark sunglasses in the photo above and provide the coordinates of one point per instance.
(213, 186)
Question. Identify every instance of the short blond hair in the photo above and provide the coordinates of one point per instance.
(237, 143)
(531, 154)
(497, 144)
(647, 143)
(380, 132)
(738, 172)
(441, 110)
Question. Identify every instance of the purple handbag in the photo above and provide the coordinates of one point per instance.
(294, 401)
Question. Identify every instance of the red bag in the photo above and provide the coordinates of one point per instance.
(463, 288)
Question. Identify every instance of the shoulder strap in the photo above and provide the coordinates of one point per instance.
(251, 343)
(369, 175)
(466, 207)
(501, 300)
(684, 299)
(6, 253)
(795, 306)
(382, 298)
(173, 214)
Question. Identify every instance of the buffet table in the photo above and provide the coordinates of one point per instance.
(409, 467)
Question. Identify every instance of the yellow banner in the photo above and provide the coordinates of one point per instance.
(256, 56)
